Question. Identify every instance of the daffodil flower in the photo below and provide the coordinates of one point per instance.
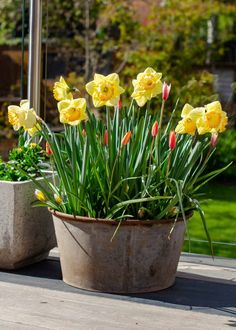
(22, 116)
(72, 112)
(105, 90)
(207, 119)
(191, 116)
(214, 119)
(62, 91)
(147, 85)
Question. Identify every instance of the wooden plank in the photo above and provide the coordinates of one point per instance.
(50, 309)
(12, 325)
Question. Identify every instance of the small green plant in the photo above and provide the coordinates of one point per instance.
(26, 158)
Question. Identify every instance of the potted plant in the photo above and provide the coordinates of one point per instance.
(127, 184)
(26, 234)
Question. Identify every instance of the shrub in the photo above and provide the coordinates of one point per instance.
(225, 153)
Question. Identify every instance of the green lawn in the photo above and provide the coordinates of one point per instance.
(220, 213)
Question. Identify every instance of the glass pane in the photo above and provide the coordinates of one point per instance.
(13, 68)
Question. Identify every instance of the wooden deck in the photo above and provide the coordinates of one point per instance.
(204, 297)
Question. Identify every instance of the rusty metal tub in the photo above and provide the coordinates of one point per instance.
(140, 258)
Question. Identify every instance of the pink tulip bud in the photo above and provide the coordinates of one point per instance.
(119, 106)
(165, 91)
(105, 138)
(214, 138)
(126, 138)
(48, 149)
(154, 129)
(172, 140)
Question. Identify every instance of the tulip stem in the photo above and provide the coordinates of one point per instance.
(53, 171)
(112, 174)
(159, 133)
(161, 115)
(168, 164)
(151, 155)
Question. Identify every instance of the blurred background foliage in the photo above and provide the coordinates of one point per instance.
(182, 39)
(186, 40)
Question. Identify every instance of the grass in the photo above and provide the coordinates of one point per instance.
(220, 214)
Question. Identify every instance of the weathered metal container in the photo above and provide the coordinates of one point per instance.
(26, 233)
(140, 258)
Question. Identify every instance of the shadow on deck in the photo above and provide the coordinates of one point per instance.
(191, 291)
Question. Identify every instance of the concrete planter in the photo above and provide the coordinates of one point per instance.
(26, 233)
(141, 258)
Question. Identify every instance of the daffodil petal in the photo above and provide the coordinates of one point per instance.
(186, 110)
(29, 120)
(13, 108)
(114, 78)
(24, 104)
(62, 105)
(98, 77)
(90, 87)
(214, 106)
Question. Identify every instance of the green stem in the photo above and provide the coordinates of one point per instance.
(112, 175)
(168, 164)
(203, 166)
(161, 115)
(108, 119)
(151, 155)
(159, 134)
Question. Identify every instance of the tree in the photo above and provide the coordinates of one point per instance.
(128, 35)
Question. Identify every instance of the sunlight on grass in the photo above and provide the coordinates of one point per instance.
(220, 213)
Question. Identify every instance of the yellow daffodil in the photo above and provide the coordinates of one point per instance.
(191, 117)
(62, 91)
(105, 90)
(72, 112)
(147, 85)
(22, 116)
(14, 116)
(208, 119)
(214, 119)
(40, 195)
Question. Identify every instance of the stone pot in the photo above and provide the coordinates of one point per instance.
(26, 233)
(141, 257)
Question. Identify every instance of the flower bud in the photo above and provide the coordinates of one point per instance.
(154, 129)
(40, 195)
(33, 145)
(214, 138)
(84, 132)
(105, 138)
(48, 149)
(172, 140)
(126, 138)
(57, 199)
(165, 91)
(119, 104)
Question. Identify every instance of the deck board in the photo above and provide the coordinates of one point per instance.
(204, 297)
